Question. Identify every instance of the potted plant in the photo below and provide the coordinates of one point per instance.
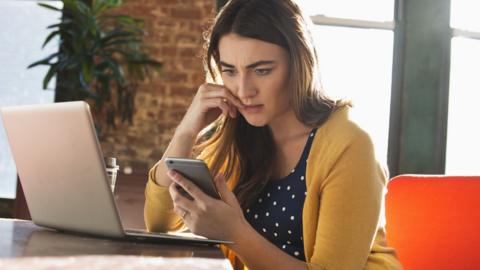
(101, 58)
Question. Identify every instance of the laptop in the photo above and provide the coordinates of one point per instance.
(63, 174)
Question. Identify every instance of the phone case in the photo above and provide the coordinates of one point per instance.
(196, 171)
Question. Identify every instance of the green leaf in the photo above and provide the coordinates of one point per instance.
(83, 8)
(65, 22)
(44, 61)
(49, 7)
(100, 7)
(50, 37)
(127, 42)
(83, 83)
(67, 63)
(117, 71)
(123, 19)
(87, 72)
(116, 34)
(70, 8)
(51, 72)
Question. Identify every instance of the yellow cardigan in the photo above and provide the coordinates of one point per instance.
(343, 224)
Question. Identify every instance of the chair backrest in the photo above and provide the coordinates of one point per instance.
(433, 221)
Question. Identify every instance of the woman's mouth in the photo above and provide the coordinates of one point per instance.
(253, 108)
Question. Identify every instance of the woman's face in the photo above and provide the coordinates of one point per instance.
(257, 73)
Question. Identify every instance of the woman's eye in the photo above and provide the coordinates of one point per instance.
(229, 72)
(262, 72)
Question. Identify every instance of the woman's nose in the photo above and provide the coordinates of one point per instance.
(245, 88)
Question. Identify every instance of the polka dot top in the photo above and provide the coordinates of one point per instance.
(277, 213)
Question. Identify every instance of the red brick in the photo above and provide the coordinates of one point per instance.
(197, 78)
(191, 65)
(181, 90)
(168, 50)
(188, 39)
(189, 13)
(163, 38)
(190, 52)
(174, 76)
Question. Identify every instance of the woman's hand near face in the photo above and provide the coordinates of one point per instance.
(210, 101)
(204, 215)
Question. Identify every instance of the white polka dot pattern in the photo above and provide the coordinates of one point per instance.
(281, 203)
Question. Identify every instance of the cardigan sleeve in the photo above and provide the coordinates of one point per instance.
(350, 206)
(158, 212)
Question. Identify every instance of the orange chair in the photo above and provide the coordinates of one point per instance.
(433, 221)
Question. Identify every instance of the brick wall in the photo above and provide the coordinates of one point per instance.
(175, 29)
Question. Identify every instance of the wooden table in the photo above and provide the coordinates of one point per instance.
(24, 245)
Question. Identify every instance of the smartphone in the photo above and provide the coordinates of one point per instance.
(196, 171)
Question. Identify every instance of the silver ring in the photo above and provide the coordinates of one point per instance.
(184, 214)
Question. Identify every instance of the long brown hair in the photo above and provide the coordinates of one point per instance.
(233, 146)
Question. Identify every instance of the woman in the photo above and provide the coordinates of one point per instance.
(299, 182)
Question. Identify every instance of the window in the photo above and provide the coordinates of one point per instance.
(355, 42)
(464, 15)
(463, 143)
(371, 10)
(22, 32)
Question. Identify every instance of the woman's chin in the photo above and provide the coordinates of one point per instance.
(255, 121)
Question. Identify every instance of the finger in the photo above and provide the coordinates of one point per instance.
(216, 103)
(188, 186)
(175, 190)
(226, 195)
(184, 215)
(230, 108)
(227, 94)
(214, 86)
(180, 201)
(179, 211)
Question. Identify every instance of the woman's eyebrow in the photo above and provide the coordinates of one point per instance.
(252, 65)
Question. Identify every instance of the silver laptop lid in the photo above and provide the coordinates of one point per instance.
(61, 167)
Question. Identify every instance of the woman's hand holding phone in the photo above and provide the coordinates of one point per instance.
(196, 171)
(205, 215)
